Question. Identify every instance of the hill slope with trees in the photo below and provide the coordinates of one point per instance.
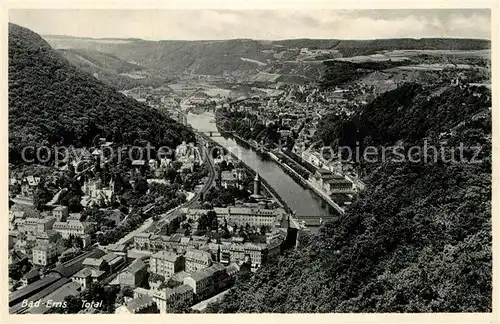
(51, 102)
(418, 239)
(110, 69)
(231, 57)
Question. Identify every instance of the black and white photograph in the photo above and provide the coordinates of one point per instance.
(224, 161)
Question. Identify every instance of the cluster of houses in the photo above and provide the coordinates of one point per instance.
(37, 237)
(97, 269)
(189, 269)
(174, 278)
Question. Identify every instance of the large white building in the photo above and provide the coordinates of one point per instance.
(71, 227)
(251, 216)
(197, 260)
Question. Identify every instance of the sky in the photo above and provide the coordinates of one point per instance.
(256, 24)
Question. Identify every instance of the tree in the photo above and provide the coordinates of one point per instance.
(41, 197)
(73, 241)
(125, 291)
(179, 306)
(176, 165)
(141, 185)
(73, 305)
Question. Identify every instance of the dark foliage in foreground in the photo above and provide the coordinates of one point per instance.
(418, 239)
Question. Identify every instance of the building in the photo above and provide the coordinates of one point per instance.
(17, 257)
(75, 216)
(46, 237)
(240, 174)
(83, 277)
(14, 218)
(232, 270)
(194, 214)
(207, 282)
(60, 213)
(183, 294)
(30, 225)
(134, 275)
(331, 183)
(30, 277)
(166, 263)
(118, 249)
(338, 185)
(71, 227)
(88, 275)
(114, 261)
(141, 241)
(29, 186)
(228, 179)
(252, 216)
(258, 254)
(197, 260)
(96, 194)
(45, 254)
(140, 305)
(45, 224)
(164, 297)
(256, 185)
(96, 264)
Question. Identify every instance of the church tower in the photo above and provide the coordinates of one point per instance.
(256, 185)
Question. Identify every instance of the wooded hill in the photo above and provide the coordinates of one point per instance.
(51, 102)
(245, 57)
(418, 239)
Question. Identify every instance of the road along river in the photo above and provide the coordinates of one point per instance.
(301, 200)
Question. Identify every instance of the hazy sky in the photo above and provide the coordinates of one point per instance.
(256, 24)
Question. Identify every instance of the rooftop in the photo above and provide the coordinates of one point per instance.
(45, 247)
(227, 176)
(93, 262)
(84, 273)
(33, 273)
(166, 255)
(136, 266)
(116, 247)
(179, 276)
(207, 272)
(139, 303)
(197, 255)
(179, 290)
(111, 258)
(138, 162)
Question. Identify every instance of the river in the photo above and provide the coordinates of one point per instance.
(301, 200)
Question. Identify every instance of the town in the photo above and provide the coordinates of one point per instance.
(169, 232)
(154, 175)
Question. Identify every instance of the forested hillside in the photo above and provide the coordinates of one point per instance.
(51, 102)
(418, 239)
(110, 69)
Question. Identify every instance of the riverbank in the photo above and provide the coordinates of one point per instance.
(305, 183)
(265, 185)
(297, 197)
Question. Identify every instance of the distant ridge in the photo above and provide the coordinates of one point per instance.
(223, 57)
(264, 40)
